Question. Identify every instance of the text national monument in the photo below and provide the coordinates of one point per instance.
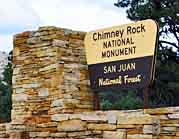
(122, 56)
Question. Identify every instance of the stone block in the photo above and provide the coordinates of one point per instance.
(114, 134)
(174, 116)
(112, 119)
(58, 135)
(60, 43)
(57, 103)
(159, 111)
(139, 136)
(59, 117)
(19, 90)
(148, 129)
(102, 127)
(72, 125)
(43, 92)
(20, 97)
(129, 120)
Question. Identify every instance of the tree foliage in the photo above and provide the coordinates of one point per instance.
(165, 12)
(122, 100)
(6, 92)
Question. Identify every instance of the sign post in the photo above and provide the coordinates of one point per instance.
(122, 57)
(146, 97)
(96, 101)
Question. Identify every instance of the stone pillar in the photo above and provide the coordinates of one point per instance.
(50, 76)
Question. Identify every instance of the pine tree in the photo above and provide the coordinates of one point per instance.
(6, 92)
(166, 13)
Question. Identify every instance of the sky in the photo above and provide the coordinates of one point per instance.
(83, 15)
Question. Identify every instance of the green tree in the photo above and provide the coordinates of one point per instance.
(6, 92)
(166, 13)
(121, 100)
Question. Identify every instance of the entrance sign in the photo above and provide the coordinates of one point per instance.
(122, 56)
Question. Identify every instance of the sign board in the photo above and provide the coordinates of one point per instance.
(122, 56)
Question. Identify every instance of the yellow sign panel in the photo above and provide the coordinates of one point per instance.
(124, 42)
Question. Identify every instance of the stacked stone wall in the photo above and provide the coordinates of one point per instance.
(52, 98)
(160, 123)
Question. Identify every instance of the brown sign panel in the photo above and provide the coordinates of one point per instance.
(122, 56)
